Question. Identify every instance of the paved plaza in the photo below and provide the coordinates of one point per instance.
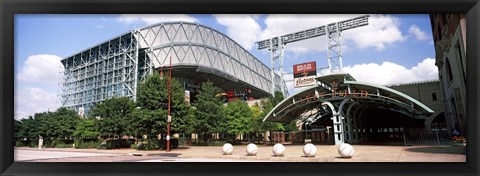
(294, 153)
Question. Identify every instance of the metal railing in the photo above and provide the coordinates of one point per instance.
(431, 137)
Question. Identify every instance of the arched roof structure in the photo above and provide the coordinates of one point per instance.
(205, 51)
(338, 88)
(335, 96)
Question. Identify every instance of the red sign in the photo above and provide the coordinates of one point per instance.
(305, 67)
(304, 74)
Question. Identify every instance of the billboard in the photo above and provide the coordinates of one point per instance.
(304, 74)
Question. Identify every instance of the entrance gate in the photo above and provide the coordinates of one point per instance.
(342, 99)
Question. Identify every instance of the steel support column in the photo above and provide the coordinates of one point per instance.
(276, 58)
(348, 124)
(337, 118)
(337, 124)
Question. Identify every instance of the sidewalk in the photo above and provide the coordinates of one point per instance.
(294, 153)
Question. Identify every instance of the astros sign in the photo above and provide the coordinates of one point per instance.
(304, 74)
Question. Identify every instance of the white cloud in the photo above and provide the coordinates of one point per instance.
(417, 32)
(41, 68)
(277, 25)
(241, 28)
(382, 31)
(153, 18)
(29, 101)
(391, 73)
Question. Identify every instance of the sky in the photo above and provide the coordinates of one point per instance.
(392, 49)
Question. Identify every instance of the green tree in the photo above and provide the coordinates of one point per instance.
(27, 129)
(277, 99)
(16, 130)
(45, 125)
(257, 120)
(292, 126)
(209, 112)
(86, 129)
(150, 123)
(152, 99)
(266, 106)
(114, 116)
(239, 117)
(49, 125)
(181, 112)
(65, 120)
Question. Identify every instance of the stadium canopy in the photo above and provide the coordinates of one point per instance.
(334, 96)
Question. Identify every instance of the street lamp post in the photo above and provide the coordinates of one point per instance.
(169, 118)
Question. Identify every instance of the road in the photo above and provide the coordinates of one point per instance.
(64, 156)
(201, 160)
(31, 155)
(294, 153)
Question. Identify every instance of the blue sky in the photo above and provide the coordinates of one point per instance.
(393, 48)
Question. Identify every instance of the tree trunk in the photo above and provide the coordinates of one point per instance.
(205, 137)
(234, 137)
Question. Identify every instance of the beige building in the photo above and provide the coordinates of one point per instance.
(430, 94)
(449, 35)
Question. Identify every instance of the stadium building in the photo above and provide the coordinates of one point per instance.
(198, 53)
(336, 109)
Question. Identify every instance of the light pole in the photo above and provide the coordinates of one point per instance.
(169, 118)
(136, 137)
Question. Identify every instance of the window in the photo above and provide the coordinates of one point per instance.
(434, 96)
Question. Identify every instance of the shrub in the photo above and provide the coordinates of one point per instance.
(22, 143)
(211, 143)
(173, 143)
(116, 143)
(152, 144)
(87, 143)
(63, 145)
(58, 143)
(183, 141)
(33, 143)
(140, 146)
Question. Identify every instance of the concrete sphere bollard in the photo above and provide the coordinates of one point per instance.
(252, 149)
(278, 150)
(346, 150)
(227, 149)
(309, 150)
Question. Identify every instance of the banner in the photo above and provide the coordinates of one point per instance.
(187, 97)
(304, 74)
(81, 111)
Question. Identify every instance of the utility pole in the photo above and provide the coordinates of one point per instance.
(169, 118)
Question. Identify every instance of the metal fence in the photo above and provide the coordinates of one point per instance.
(431, 137)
